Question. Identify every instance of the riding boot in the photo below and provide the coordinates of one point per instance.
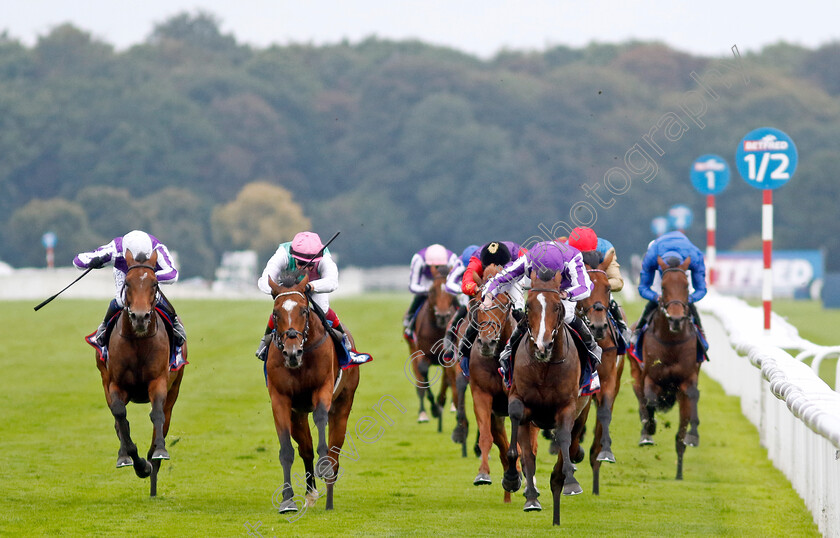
(650, 307)
(695, 317)
(449, 339)
(583, 330)
(409, 319)
(178, 330)
(262, 349)
(615, 310)
(113, 308)
(504, 358)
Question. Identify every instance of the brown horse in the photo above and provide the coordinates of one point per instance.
(671, 370)
(545, 391)
(594, 310)
(427, 347)
(138, 368)
(489, 395)
(303, 377)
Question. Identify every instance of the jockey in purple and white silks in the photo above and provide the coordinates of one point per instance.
(553, 256)
(141, 245)
(420, 278)
(453, 286)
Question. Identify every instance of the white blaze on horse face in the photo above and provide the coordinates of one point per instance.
(541, 334)
(288, 306)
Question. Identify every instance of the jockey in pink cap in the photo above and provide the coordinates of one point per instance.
(304, 252)
(420, 278)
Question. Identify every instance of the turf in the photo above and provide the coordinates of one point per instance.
(59, 449)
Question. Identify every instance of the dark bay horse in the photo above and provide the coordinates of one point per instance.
(545, 391)
(138, 368)
(671, 370)
(428, 346)
(594, 310)
(303, 377)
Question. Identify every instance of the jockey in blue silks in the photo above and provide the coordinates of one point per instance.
(670, 245)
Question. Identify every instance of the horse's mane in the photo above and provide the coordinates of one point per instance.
(592, 258)
(289, 279)
(545, 274)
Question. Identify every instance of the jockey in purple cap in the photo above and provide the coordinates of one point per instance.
(141, 245)
(670, 245)
(575, 284)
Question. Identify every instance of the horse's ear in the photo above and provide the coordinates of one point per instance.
(153, 259)
(534, 276)
(275, 289)
(607, 260)
(684, 265)
(302, 284)
(129, 258)
(478, 280)
(558, 278)
(661, 262)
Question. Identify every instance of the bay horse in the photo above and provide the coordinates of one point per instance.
(594, 310)
(671, 370)
(303, 376)
(137, 369)
(427, 346)
(545, 391)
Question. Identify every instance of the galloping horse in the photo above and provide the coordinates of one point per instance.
(137, 369)
(303, 376)
(427, 346)
(545, 391)
(594, 310)
(671, 368)
(490, 397)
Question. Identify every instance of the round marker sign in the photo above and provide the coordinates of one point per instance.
(766, 158)
(680, 217)
(710, 174)
(49, 240)
(659, 226)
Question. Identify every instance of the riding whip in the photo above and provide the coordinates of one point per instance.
(65, 289)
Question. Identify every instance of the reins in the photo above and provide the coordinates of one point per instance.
(280, 341)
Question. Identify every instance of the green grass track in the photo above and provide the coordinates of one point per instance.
(58, 449)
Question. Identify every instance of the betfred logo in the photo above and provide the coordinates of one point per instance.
(767, 143)
(711, 164)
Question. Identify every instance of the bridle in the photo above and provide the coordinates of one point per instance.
(556, 325)
(279, 338)
(583, 312)
(127, 308)
(496, 324)
(663, 305)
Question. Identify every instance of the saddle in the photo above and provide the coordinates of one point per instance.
(176, 358)
(638, 355)
(348, 357)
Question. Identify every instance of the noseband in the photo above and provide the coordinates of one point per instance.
(663, 306)
(291, 334)
(583, 312)
(556, 326)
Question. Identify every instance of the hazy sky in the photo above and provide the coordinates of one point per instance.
(708, 27)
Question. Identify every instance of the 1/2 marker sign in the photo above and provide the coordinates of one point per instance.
(766, 158)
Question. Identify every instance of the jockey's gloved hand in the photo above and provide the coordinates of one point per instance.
(308, 288)
(96, 263)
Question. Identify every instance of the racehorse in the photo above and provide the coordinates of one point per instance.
(303, 377)
(671, 369)
(490, 397)
(137, 369)
(545, 391)
(594, 310)
(427, 346)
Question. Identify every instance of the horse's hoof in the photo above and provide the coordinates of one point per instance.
(606, 455)
(532, 506)
(160, 454)
(512, 484)
(646, 439)
(482, 479)
(692, 440)
(459, 435)
(437, 410)
(311, 497)
(572, 488)
(553, 448)
(422, 417)
(577, 458)
(287, 506)
(124, 461)
(324, 468)
(146, 472)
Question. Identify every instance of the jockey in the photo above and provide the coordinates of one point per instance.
(141, 245)
(584, 239)
(575, 283)
(420, 278)
(453, 286)
(670, 245)
(494, 253)
(303, 252)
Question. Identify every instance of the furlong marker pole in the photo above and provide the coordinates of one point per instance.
(767, 243)
(711, 228)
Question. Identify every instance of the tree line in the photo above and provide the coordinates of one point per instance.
(212, 145)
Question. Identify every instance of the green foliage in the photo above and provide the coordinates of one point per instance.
(400, 143)
(411, 482)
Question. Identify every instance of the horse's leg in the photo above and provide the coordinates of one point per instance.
(645, 414)
(303, 437)
(529, 468)
(281, 408)
(420, 367)
(322, 402)
(497, 427)
(576, 451)
(482, 404)
(339, 414)
(679, 438)
(122, 456)
(157, 395)
(597, 448)
(142, 468)
(692, 438)
(171, 396)
(512, 481)
(605, 402)
(462, 426)
(564, 430)
(647, 407)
